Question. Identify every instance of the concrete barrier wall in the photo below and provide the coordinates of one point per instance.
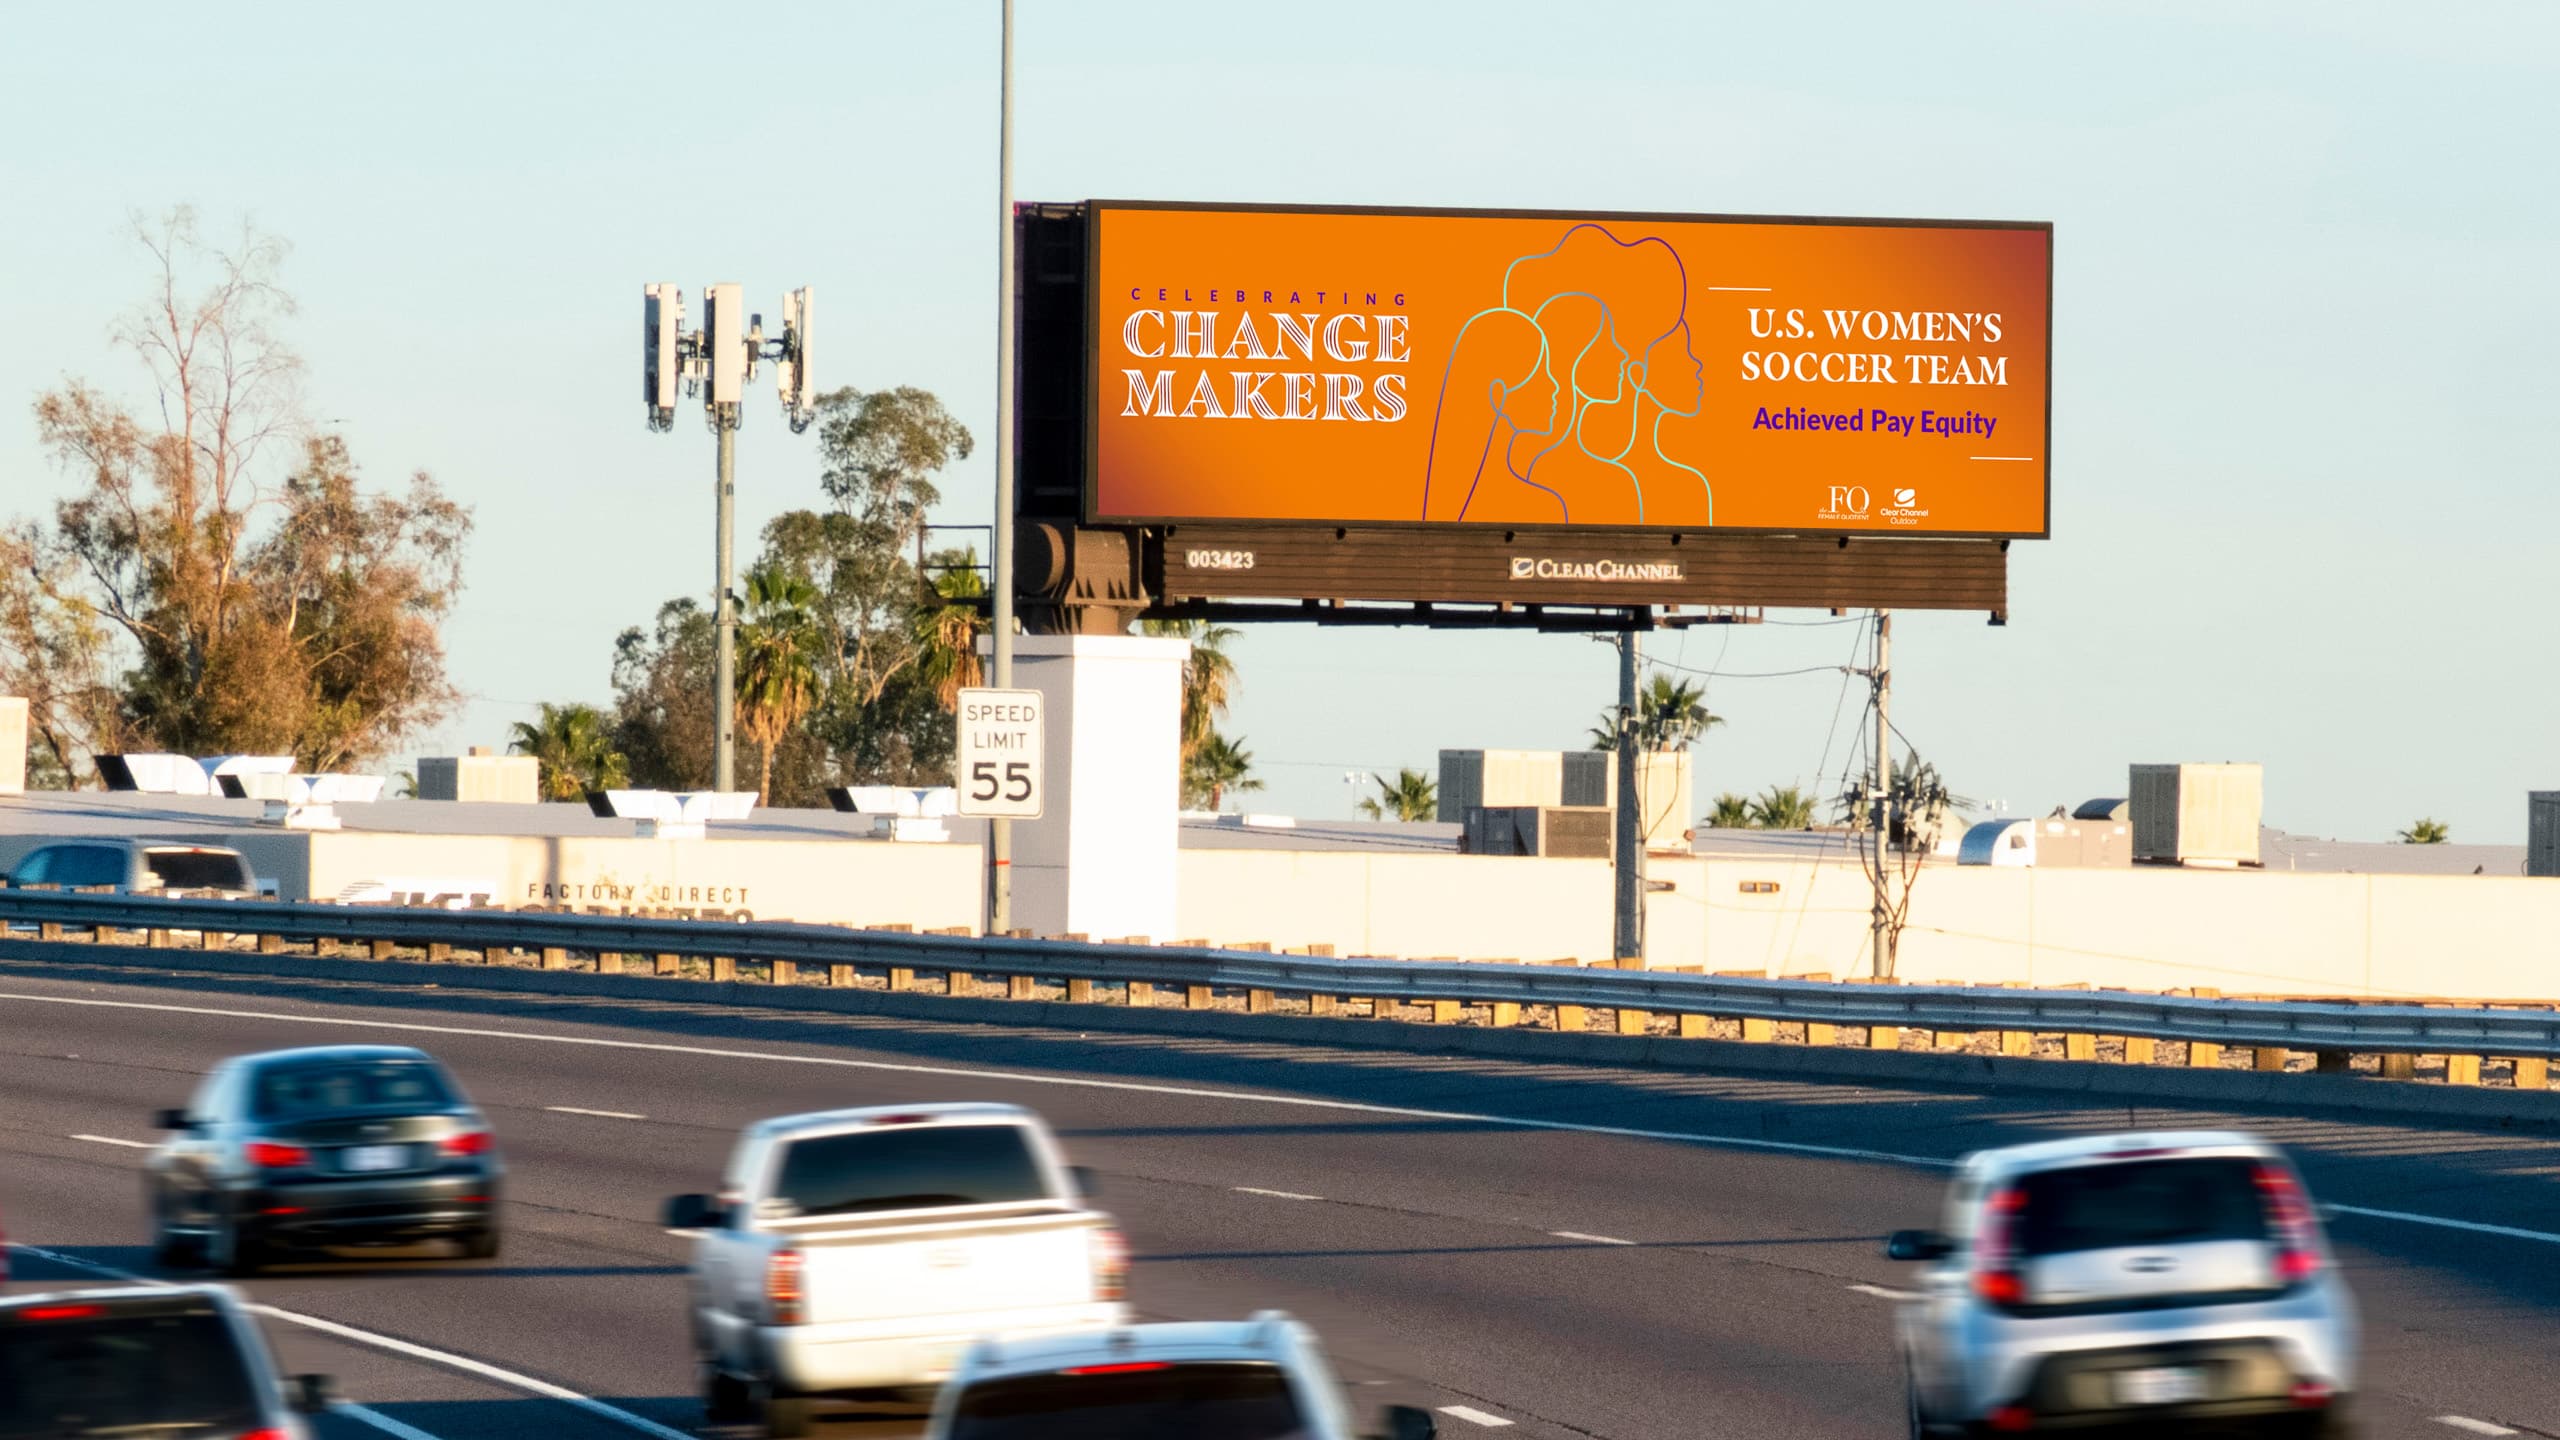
(2241, 932)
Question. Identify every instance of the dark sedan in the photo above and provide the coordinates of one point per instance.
(319, 1148)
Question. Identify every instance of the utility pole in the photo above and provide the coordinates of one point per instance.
(724, 663)
(1883, 797)
(1000, 830)
(1629, 931)
(716, 362)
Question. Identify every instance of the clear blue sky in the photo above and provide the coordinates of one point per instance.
(2306, 305)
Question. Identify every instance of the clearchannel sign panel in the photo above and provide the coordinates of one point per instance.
(1532, 371)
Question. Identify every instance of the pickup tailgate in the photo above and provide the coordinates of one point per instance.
(854, 1272)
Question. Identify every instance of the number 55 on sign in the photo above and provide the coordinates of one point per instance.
(999, 754)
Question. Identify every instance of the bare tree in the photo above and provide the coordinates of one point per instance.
(218, 581)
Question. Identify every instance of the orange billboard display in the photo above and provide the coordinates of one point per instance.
(1365, 367)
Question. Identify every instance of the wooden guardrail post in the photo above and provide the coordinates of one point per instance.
(381, 949)
(2140, 1050)
(841, 976)
(1884, 1037)
(2533, 1072)
(1079, 992)
(902, 977)
(1142, 992)
(2269, 1057)
(783, 972)
(2462, 1069)
(1260, 1002)
(1020, 987)
(959, 982)
(724, 967)
(439, 952)
(270, 944)
(554, 958)
(48, 929)
(670, 965)
(2399, 1065)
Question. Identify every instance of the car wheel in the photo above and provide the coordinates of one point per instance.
(786, 1417)
(235, 1251)
(481, 1244)
(169, 1249)
(724, 1397)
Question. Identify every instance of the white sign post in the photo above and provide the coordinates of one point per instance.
(999, 754)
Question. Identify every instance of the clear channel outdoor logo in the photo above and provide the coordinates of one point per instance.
(1905, 509)
(1547, 567)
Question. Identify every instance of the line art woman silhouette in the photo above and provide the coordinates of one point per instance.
(1551, 406)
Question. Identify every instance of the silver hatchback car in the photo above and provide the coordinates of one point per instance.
(2176, 1278)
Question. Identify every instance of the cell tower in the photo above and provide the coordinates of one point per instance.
(717, 362)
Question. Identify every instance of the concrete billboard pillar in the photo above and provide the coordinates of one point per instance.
(1101, 859)
(13, 744)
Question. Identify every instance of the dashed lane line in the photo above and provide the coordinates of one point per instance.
(598, 1114)
(2476, 1427)
(1882, 1293)
(1272, 1194)
(397, 1346)
(1589, 1239)
(1473, 1416)
(112, 1140)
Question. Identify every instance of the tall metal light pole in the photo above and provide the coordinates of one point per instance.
(1000, 837)
(717, 361)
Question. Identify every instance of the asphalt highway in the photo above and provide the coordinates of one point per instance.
(1538, 1250)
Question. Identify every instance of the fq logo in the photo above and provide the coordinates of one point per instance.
(1845, 500)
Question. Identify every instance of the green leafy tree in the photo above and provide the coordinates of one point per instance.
(2427, 832)
(1670, 715)
(1217, 768)
(1782, 807)
(777, 663)
(1208, 677)
(1731, 812)
(1412, 795)
(574, 745)
(948, 627)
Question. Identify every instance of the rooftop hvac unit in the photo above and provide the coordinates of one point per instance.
(1557, 832)
(2542, 833)
(2203, 815)
(1590, 777)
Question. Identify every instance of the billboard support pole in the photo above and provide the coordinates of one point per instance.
(1000, 831)
(1629, 871)
(1883, 817)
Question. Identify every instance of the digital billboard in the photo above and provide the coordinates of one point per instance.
(1567, 371)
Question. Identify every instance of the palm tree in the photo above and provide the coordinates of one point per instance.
(1208, 677)
(573, 751)
(1782, 807)
(777, 662)
(2427, 832)
(1412, 795)
(947, 631)
(1670, 715)
(1218, 766)
(1732, 812)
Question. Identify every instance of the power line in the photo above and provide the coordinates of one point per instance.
(1744, 674)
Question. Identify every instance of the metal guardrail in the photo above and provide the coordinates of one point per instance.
(2318, 1026)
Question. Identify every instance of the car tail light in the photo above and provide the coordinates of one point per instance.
(2289, 1220)
(1996, 1276)
(782, 1288)
(2311, 1394)
(1110, 1265)
(273, 1155)
(267, 1434)
(469, 1142)
(1126, 1367)
(62, 1312)
(2011, 1419)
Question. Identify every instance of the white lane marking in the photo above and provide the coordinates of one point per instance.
(2476, 1227)
(1473, 1416)
(396, 1346)
(1589, 1239)
(379, 1421)
(599, 1114)
(1298, 1102)
(1881, 1293)
(111, 1140)
(2476, 1427)
(1274, 1194)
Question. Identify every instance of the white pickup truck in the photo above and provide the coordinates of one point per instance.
(855, 1251)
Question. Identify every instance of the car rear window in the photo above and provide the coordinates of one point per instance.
(199, 870)
(1161, 1402)
(2140, 1202)
(908, 1167)
(111, 1373)
(294, 1092)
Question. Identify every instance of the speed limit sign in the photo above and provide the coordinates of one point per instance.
(999, 754)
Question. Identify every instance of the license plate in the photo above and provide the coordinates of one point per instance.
(376, 1157)
(2166, 1385)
